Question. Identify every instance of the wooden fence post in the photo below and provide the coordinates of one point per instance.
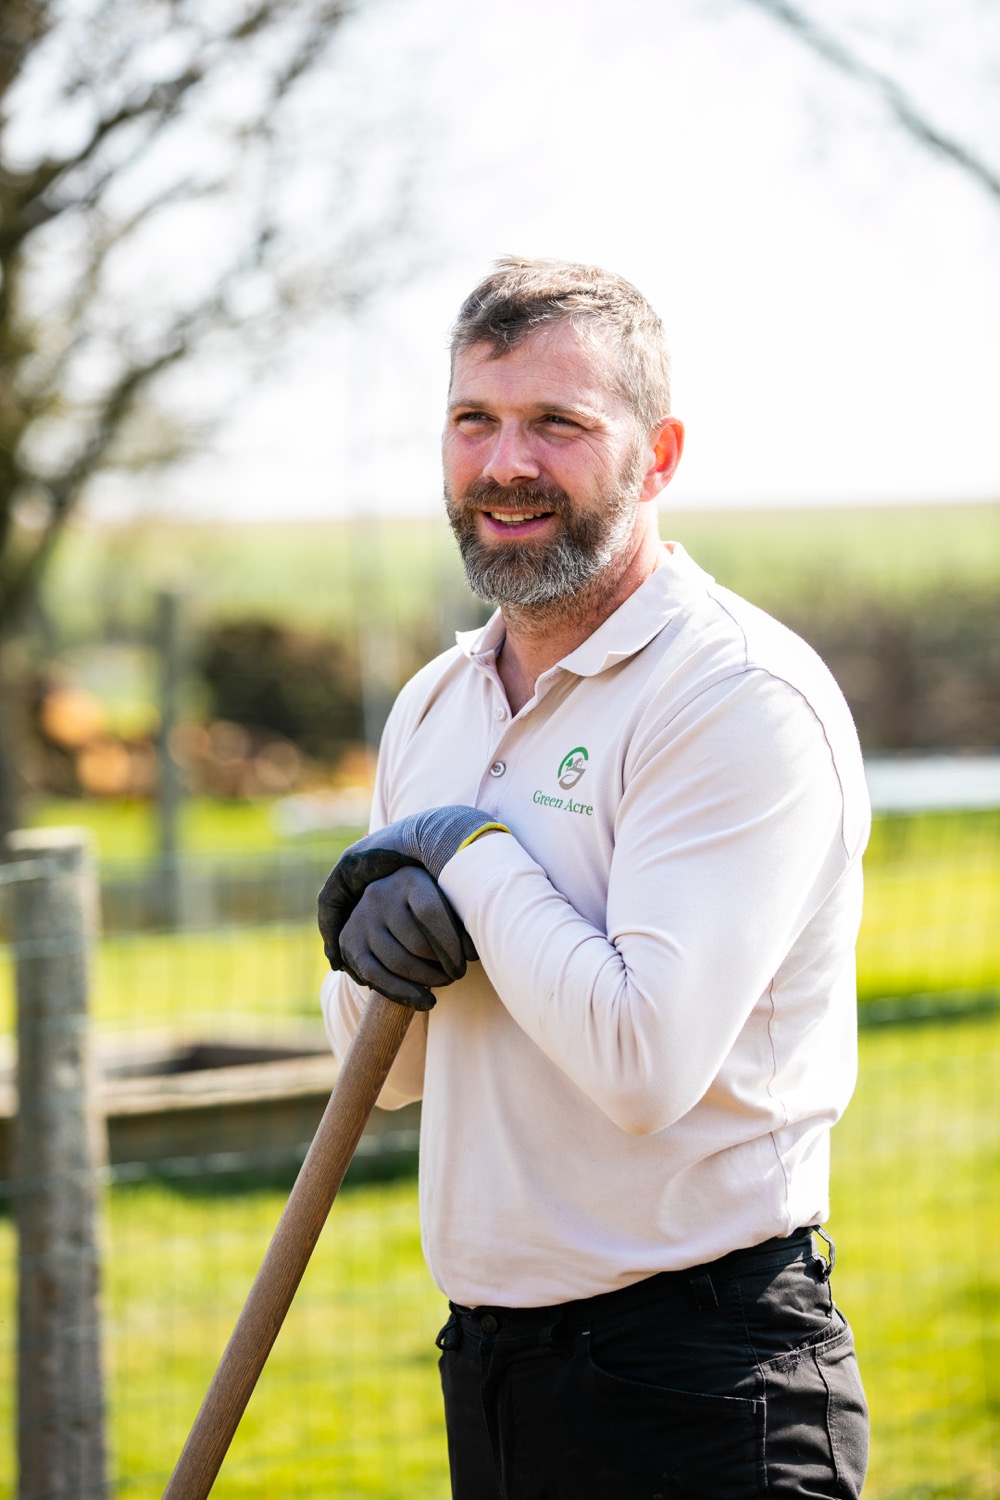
(57, 1150)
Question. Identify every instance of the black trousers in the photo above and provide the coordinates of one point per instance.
(728, 1381)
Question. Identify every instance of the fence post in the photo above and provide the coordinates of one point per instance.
(169, 790)
(59, 1144)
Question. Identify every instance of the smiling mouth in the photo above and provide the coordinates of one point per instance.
(507, 518)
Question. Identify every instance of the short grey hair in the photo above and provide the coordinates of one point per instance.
(520, 295)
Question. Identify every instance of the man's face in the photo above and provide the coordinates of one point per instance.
(543, 466)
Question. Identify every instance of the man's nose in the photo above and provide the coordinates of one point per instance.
(511, 458)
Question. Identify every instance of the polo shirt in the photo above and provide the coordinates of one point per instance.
(641, 1072)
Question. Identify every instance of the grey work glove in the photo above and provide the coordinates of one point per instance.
(427, 839)
(403, 937)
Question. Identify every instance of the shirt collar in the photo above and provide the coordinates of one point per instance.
(632, 626)
(485, 640)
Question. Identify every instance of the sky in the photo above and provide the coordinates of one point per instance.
(830, 289)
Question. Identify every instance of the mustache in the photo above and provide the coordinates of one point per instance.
(490, 495)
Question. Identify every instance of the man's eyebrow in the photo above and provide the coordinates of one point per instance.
(579, 410)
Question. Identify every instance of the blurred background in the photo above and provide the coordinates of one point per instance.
(233, 236)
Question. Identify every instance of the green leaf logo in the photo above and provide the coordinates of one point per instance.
(572, 767)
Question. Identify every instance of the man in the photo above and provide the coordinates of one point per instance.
(641, 802)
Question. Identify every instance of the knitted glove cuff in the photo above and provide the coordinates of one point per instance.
(440, 832)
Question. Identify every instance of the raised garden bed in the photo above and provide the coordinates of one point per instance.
(167, 1101)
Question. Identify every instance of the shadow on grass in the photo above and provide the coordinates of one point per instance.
(238, 1174)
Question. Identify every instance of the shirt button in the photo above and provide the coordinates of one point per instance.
(497, 768)
(501, 713)
(488, 1323)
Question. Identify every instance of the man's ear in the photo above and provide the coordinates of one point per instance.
(667, 444)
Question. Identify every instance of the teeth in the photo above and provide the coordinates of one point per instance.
(509, 520)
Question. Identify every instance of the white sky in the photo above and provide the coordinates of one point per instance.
(830, 290)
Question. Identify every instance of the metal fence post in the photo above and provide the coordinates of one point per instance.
(57, 1150)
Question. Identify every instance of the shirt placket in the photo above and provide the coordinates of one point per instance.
(490, 785)
(504, 731)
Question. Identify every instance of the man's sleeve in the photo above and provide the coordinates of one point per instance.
(729, 838)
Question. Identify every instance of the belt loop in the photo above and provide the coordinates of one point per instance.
(703, 1291)
(451, 1335)
(830, 1260)
(551, 1337)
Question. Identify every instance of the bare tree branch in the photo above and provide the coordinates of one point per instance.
(906, 111)
(33, 194)
(149, 151)
(23, 23)
(19, 579)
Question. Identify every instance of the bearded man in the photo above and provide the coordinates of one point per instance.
(624, 823)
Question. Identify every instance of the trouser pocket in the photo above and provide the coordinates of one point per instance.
(817, 1416)
(635, 1438)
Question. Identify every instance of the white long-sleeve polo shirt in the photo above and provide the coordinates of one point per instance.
(642, 1071)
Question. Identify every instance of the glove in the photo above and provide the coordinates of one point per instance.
(428, 839)
(403, 937)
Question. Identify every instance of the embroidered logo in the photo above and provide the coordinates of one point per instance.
(572, 767)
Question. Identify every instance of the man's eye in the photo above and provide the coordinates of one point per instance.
(555, 420)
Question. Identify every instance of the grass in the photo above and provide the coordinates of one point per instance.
(932, 906)
(772, 556)
(931, 923)
(313, 573)
(217, 979)
(126, 829)
(318, 572)
(349, 1407)
(348, 1397)
(916, 1210)
(352, 1374)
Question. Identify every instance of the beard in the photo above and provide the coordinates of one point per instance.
(532, 574)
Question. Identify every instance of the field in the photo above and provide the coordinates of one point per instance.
(348, 1405)
(328, 573)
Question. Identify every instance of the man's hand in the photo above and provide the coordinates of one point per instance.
(427, 839)
(404, 937)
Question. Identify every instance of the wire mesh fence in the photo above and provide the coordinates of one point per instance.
(212, 1072)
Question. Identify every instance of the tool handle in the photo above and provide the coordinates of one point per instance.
(378, 1038)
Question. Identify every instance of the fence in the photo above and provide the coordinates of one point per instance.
(213, 1072)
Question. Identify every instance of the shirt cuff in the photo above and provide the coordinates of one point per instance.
(462, 879)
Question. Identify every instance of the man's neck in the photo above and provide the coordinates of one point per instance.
(538, 636)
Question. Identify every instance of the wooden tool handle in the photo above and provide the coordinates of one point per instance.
(377, 1040)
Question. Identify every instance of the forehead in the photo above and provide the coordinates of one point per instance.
(558, 365)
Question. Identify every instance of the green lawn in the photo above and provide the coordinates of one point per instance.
(916, 1213)
(126, 830)
(318, 572)
(348, 1405)
(932, 906)
(931, 926)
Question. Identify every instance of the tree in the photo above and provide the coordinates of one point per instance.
(908, 112)
(171, 182)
